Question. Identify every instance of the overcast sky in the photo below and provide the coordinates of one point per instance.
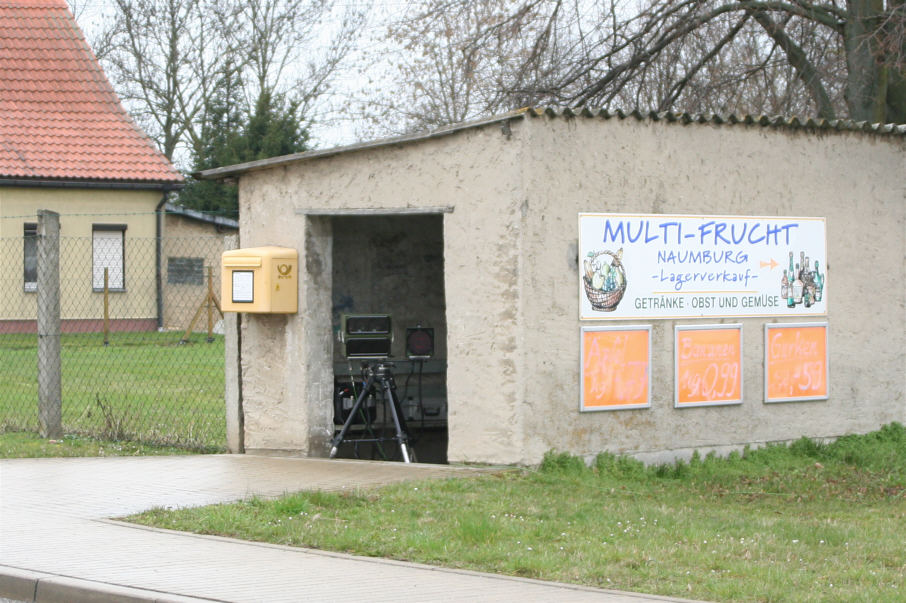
(335, 125)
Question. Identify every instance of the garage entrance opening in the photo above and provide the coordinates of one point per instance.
(392, 266)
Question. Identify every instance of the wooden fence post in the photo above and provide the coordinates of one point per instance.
(106, 307)
(50, 408)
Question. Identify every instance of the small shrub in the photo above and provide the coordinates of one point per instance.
(882, 450)
(681, 469)
(696, 461)
(562, 463)
(114, 420)
(893, 432)
(806, 447)
(607, 464)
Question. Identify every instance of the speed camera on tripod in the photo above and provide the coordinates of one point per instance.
(366, 336)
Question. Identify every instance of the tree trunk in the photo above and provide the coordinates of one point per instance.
(799, 60)
(866, 85)
(896, 83)
(896, 98)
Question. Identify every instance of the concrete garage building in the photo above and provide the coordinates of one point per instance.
(487, 232)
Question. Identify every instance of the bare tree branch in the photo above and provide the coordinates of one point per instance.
(167, 58)
(677, 88)
(798, 59)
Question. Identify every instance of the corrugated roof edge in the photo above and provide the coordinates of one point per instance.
(780, 122)
(179, 210)
(241, 168)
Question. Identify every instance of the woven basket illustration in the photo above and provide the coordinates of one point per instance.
(606, 301)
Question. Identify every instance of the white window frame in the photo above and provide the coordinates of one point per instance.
(29, 239)
(108, 250)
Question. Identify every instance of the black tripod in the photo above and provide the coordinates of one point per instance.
(379, 373)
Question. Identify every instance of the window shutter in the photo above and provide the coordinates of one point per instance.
(107, 253)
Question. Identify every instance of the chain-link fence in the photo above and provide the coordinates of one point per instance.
(141, 350)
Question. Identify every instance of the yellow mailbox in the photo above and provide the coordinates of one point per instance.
(262, 280)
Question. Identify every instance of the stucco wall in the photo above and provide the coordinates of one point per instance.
(79, 209)
(631, 166)
(283, 357)
(480, 294)
(510, 277)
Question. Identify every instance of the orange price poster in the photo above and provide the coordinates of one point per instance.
(616, 368)
(708, 361)
(795, 362)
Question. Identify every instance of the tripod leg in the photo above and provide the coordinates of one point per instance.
(394, 412)
(338, 439)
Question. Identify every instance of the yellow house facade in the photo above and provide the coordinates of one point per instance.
(112, 229)
(67, 145)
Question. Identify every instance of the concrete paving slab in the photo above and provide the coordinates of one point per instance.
(59, 545)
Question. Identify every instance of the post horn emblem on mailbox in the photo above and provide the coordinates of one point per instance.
(285, 270)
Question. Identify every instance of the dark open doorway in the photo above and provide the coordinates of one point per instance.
(393, 265)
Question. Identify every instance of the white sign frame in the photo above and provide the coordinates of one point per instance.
(582, 405)
(797, 325)
(676, 361)
(695, 266)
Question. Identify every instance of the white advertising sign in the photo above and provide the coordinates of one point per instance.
(665, 266)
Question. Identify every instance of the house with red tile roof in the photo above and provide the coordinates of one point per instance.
(67, 145)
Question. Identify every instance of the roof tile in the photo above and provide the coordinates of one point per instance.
(59, 117)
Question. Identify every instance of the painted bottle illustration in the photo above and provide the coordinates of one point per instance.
(819, 283)
(801, 284)
(808, 282)
(797, 287)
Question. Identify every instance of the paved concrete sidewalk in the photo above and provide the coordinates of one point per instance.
(57, 543)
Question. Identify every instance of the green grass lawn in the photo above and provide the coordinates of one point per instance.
(17, 445)
(143, 386)
(807, 522)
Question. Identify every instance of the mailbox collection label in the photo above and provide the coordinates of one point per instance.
(243, 286)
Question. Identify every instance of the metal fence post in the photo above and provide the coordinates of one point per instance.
(232, 327)
(49, 361)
